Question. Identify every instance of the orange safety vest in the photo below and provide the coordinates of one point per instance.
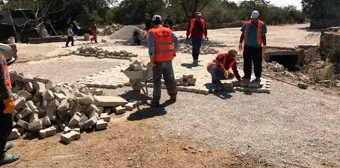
(192, 25)
(7, 76)
(259, 32)
(225, 56)
(164, 47)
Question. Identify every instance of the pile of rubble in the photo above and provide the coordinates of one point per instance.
(274, 66)
(186, 80)
(100, 53)
(43, 110)
(109, 30)
(187, 48)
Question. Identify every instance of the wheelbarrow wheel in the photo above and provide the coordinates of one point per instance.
(145, 89)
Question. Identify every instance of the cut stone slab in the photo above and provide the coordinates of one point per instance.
(120, 110)
(75, 119)
(48, 132)
(101, 125)
(83, 120)
(69, 137)
(130, 106)
(46, 122)
(91, 122)
(23, 124)
(19, 103)
(15, 134)
(25, 112)
(105, 117)
(35, 126)
(109, 101)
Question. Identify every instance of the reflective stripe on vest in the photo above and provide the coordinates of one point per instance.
(164, 47)
(7, 76)
(192, 25)
(259, 32)
(225, 56)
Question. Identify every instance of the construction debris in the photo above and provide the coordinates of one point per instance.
(186, 80)
(275, 67)
(187, 48)
(109, 30)
(46, 109)
(90, 51)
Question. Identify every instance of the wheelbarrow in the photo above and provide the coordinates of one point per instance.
(138, 78)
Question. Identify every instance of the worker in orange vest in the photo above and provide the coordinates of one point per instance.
(253, 38)
(94, 31)
(197, 30)
(221, 67)
(6, 121)
(162, 44)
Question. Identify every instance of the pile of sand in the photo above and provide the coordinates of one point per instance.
(126, 33)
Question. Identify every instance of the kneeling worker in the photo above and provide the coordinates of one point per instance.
(162, 45)
(220, 68)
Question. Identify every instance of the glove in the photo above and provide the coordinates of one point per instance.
(264, 49)
(240, 47)
(152, 63)
(9, 106)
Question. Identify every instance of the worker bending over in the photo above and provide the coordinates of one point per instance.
(162, 45)
(6, 120)
(197, 30)
(254, 39)
(221, 67)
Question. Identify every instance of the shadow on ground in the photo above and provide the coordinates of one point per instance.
(309, 30)
(190, 65)
(149, 112)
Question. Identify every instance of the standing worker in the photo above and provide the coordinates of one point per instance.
(148, 24)
(197, 30)
(70, 35)
(94, 31)
(163, 45)
(254, 39)
(6, 121)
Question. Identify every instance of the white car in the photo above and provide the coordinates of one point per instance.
(10, 52)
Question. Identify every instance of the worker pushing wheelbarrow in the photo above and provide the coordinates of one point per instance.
(139, 76)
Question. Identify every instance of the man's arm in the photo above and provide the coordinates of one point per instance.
(4, 91)
(176, 41)
(151, 45)
(242, 35)
(236, 73)
(264, 32)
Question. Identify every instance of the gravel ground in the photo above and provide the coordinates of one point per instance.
(289, 127)
(65, 69)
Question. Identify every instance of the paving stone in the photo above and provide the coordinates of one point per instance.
(64, 105)
(29, 87)
(40, 88)
(105, 117)
(46, 122)
(37, 98)
(48, 95)
(53, 104)
(87, 100)
(83, 120)
(35, 126)
(25, 94)
(101, 125)
(33, 108)
(33, 117)
(109, 101)
(120, 110)
(25, 112)
(76, 130)
(59, 96)
(21, 130)
(23, 124)
(67, 130)
(91, 122)
(130, 106)
(19, 103)
(75, 119)
(69, 137)
(48, 132)
(15, 134)
(51, 113)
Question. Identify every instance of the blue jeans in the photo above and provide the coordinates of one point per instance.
(217, 74)
(196, 47)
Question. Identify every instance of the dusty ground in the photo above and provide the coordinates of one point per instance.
(287, 128)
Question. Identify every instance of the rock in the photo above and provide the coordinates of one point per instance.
(84, 101)
(302, 86)
(109, 101)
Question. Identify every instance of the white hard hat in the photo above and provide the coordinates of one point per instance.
(255, 14)
(155, 17)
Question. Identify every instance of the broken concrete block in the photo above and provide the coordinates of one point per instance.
(69, 137)
(22, 124)
(83, 120)
(130, 106)
(15, 134)
(25, 94)
(59, 96)
(64, 105)
(101, 125)
(120, 110)
(84, 101)
(33, 108)
(48, 132)
(35, 126)
(91, 122)
(109, 101)
(25, 112)
(40, 88)
(48, 95)
(19, 103)
(29, 87)
(105, 117)
(75, 119)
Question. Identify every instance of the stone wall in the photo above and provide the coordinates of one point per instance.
(329, 41)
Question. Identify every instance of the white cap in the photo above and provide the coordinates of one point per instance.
(155, 17)
(255, 15)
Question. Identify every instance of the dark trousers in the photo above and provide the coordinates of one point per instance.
(6, 124)
(217, 75)
(196, 47)
(252, 55)
(165, 69)
(70, 38)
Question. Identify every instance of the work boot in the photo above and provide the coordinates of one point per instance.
(9, 158)
(8, 146)
(152, 103)
(258, 79)
(173, 99)
(195, 62)
(216, 83)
